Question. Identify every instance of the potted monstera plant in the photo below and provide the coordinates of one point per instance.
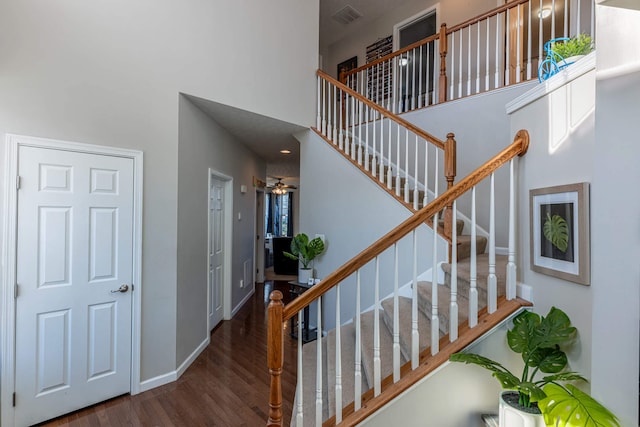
(538, 396)
(304, 250)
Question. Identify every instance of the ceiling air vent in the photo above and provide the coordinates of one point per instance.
(346, 15)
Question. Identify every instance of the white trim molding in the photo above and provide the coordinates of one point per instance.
(8, 261)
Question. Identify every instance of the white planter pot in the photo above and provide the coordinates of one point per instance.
(304, 274)
(571, 59)
(514, 417)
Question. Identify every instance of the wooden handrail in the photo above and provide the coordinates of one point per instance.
(393, 54)
(486, 15)
(517, 148)
(383, 111)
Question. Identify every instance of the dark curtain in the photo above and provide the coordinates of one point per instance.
(268, 216)
(290, 216)
(273, 214)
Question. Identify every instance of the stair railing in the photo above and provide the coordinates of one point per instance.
(496, 49)
(376, 264)
(400, 156)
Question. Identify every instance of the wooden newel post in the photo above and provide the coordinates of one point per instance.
(442, 93)
(450, 175)
(275, 357)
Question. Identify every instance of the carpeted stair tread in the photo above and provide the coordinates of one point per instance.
(482, 271)
(348, 346)
(464, 246)
(405, 323)
(444, 303)
(386, 347)
(309, 385)
(459, 226)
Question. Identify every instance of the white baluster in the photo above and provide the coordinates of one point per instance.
(478, 60)
(578, 19)
(394, 75)
(425, 198)
(421, 100)
(529, 69)
(340, 134)
(300, 388)
(353, 129)
(511, 264)
(435, 322)
(329, 131)
(566, 18)
(436, 73)
(389, 83)
(381, 176)
(377, 385)
(344, 144)
(487, 60)
(366, 140)
(374, 164)
(413, 80)
(319, 119)
(324, 108)
(361, 124)
(492, 280)
(540, 35)
(338, 359)
(396, 318)
(401, 68)
(553, 19)
(453, 305)
(473, 276)
(415, 334)
(416, 192)
(518, 50)
(389, 169)
(319, 365)
(453, 67)
(507, 52)
(593, 18)
(460, 67)
(357, 401)
(497, 53)
(406, 166)
(397, 160)
(469, 61)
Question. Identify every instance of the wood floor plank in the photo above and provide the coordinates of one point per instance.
(226, 386)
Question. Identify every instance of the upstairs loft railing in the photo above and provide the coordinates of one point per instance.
(367, 268)
(403, 158)
(496, 49)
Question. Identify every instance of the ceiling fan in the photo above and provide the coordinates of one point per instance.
(280, 187)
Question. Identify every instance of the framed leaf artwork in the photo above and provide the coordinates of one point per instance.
(559, 218)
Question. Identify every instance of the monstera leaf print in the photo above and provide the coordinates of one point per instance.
(556, 231)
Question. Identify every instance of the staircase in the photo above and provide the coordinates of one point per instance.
(385, 315)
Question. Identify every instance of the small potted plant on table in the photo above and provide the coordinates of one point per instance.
(305, 251)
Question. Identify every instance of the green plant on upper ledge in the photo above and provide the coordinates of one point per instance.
(580, 45)
(305, 250)
(540, 340)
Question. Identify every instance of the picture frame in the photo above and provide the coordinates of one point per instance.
(559, 227)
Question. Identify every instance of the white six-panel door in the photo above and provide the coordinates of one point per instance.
(216, 251)
(74, 252)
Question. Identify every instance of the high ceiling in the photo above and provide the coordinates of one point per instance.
(266, 136)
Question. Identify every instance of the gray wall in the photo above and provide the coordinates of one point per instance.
(615, 214)
(345, 205)
(109, 73)
(203, 144)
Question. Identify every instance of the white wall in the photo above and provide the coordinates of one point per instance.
(341, 202)
(615, 214)
(544, 166)
(203, 144)
(452, 12)
(109, 73)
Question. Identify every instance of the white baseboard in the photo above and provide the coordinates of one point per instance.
(244, 300)
(524, 291)
(192, 357)
(158, 381)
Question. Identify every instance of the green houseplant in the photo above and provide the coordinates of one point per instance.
(304, 250)
(575, 46)
(541, 342)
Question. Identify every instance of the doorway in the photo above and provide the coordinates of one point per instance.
(71, 291)
(220, 228)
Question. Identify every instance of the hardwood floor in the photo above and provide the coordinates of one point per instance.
(228, 385)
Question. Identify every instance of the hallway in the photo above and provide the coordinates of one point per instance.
(227, 385)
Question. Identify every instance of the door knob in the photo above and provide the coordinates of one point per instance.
(123, 289)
